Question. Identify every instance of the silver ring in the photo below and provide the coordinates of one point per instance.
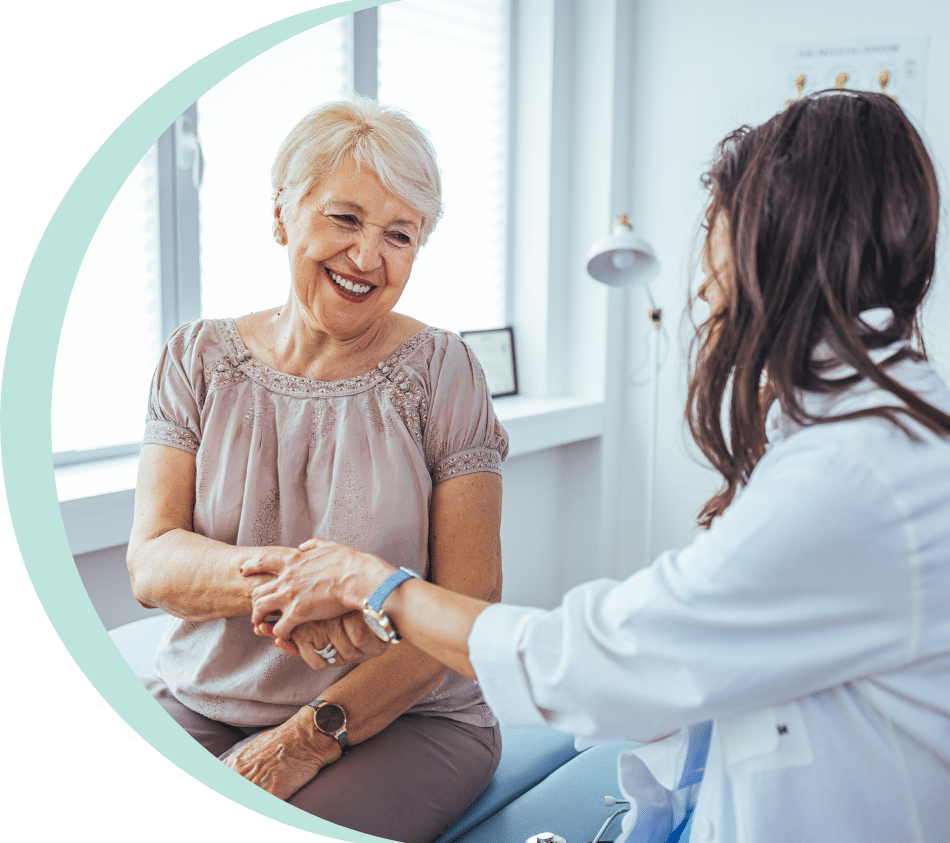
(328, 654)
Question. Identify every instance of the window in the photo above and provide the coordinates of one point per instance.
(189, 234)
(464, 106)
(100, 386)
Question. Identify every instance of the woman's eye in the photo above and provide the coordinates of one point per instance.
(399, 238)
(345, 219)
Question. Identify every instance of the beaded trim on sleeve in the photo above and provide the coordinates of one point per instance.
(281, 382)
(165, 433)
(409, 399)
(467, 462)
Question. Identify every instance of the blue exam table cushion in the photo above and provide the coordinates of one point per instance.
(569, 802)
(528, 756)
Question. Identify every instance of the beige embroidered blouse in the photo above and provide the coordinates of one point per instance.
(281, 459)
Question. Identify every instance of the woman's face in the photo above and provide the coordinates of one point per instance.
(717, 266)
(351, 245)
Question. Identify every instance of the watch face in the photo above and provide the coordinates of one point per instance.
(375, 625)
(329, 718)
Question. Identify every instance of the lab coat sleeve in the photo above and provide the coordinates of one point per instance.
(807, 581)
(494, 653)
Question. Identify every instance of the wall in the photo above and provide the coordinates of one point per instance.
(700, 70)
(106, 579)
(549, 522)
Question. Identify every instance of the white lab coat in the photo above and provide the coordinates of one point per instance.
(810, 624)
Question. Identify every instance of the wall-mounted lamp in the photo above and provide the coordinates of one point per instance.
(623, 259)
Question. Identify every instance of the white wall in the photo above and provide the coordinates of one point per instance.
(700, 70)
(549, 523)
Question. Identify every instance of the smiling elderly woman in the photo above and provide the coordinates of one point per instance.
(329, 416)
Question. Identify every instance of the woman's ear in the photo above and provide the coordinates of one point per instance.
(280, 235)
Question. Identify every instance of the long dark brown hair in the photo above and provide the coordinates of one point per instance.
(832, 209)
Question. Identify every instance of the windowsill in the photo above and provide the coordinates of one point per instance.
(536, 424)
(96, 499)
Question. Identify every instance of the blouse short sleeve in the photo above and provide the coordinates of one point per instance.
(177, 393)
(462, 433)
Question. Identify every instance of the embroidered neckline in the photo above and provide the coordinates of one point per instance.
(277, 381)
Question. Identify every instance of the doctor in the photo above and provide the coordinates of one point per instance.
(810, 623)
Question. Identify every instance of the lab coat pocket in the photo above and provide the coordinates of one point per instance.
(765, 740)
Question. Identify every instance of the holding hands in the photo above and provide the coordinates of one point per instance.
(315, 590)
(329, 643)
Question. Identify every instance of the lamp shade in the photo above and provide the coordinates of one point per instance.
(622, 259)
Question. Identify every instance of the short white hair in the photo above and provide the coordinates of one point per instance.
(380, 137)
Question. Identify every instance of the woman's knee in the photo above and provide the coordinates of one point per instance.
(409, 783)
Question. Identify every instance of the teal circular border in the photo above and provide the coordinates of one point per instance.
(25, 416)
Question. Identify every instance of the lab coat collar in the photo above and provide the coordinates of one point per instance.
(779, 426)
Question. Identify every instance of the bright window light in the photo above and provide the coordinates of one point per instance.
(446, 63)
(112, 331)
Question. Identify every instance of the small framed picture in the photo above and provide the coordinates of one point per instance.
(495, 350)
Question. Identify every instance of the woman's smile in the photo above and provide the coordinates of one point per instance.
(348, 288)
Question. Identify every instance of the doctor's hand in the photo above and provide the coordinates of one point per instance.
(320, 581)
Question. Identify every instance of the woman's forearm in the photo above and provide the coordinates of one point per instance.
(190, 576)
(171, 567)
(328, 580)
(378, 691)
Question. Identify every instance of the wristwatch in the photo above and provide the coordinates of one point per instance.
(373, 613)
(330, 719)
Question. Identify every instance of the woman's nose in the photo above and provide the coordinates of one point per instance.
(366, 250)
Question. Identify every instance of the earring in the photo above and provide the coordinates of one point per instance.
(279, 240)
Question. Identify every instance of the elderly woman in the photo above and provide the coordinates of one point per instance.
(328, 416)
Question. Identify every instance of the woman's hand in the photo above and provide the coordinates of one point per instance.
(283, 759)
(349, 635)
(319, 581)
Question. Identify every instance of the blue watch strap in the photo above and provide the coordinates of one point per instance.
(387, 586)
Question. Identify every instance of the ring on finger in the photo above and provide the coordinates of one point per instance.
(328, 653)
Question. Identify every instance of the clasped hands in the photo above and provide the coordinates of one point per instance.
(316, 588)
(319, 590)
